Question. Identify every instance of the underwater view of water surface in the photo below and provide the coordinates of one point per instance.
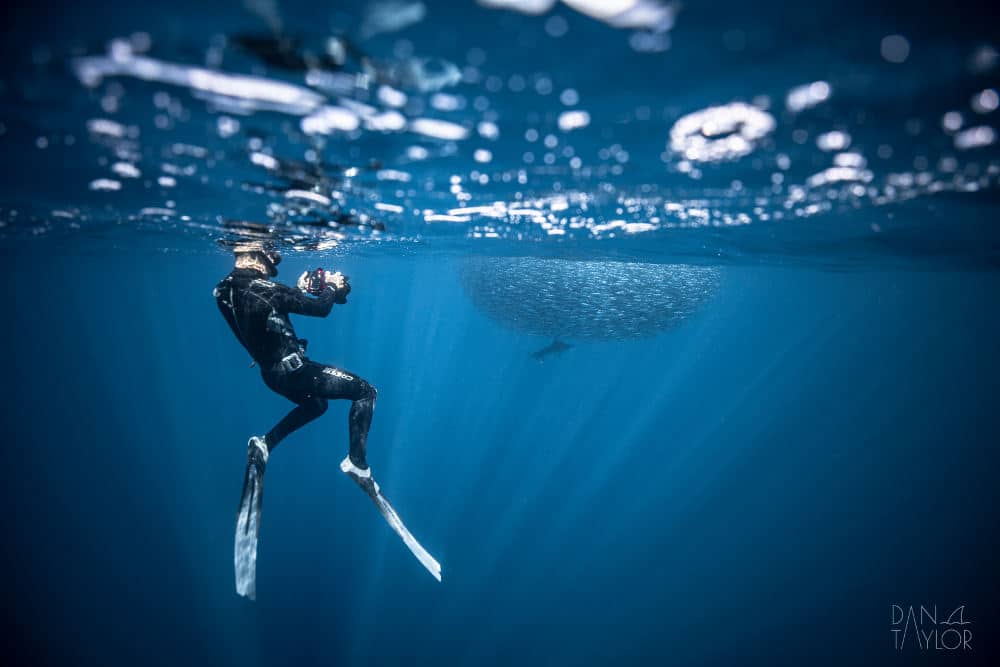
(682, 320)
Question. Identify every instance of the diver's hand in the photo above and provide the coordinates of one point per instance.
(341, 284)
(336, 280)
(303, 282)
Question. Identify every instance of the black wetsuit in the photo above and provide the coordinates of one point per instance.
(257, 310)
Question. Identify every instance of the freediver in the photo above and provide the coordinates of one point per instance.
(257, 309)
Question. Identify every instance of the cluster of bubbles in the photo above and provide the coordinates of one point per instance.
(446, 159)
(651, 20)
(334, 141)
(720, 133)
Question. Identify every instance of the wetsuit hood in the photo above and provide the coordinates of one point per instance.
(269, 258)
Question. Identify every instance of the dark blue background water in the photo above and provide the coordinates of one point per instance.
(755, 486)
(760, 484)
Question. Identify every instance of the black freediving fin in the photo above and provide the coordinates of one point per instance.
(248, 519)
(367, 483)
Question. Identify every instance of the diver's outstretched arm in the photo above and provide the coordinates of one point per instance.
(295, 301)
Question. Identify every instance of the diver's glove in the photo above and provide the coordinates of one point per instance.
(315, 282)
(341, 285)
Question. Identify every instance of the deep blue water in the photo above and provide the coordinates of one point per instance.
(810, 441)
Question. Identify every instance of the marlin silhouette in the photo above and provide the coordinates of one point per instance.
(553, 348)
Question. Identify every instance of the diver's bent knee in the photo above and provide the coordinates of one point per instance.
(368, 392)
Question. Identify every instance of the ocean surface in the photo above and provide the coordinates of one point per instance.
(683, 319)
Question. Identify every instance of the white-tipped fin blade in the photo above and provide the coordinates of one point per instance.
(247, 530)
(364, 479)
(397, 524)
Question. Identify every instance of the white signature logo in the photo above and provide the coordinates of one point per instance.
(921, 626)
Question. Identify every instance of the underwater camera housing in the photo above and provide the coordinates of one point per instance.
(316, 281)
